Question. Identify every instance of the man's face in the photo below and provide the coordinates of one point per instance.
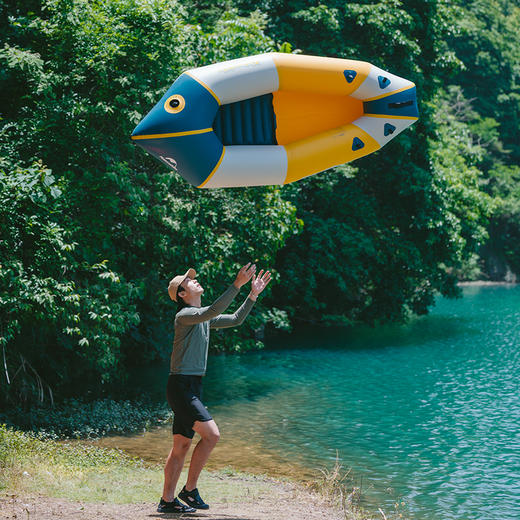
(191, 287)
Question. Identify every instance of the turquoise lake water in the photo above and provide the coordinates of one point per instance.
(428, 412)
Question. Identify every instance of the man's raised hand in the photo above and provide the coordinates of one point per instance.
(244, 275)
(259, 283)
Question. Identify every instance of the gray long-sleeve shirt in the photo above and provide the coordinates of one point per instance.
(192, 324)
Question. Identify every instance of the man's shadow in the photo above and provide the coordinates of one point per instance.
(185, 516)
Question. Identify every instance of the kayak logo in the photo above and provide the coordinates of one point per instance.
(170, 161)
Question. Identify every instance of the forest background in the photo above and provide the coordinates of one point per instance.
(92, 228)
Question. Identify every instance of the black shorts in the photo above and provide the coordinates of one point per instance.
(184, 397)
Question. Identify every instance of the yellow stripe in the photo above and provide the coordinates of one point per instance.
(325, 150)
(204, 85)
(214, 169)
(388, 116)
(321, 76)
(174, 134)
(390, 93)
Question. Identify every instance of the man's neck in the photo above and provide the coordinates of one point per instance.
(195, 302)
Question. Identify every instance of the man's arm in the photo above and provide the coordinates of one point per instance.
(258, 284)
(233, 320)
(194, 315)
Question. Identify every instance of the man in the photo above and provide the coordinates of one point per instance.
(187, 366)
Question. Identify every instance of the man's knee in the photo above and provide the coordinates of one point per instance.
(208, 431)
(213, 437)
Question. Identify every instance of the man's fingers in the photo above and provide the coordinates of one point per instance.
(248, 269)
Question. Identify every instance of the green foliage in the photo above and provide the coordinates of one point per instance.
(456, 155)
(234, 37)
(488, 45)
(502, 252)
(52, 303)
(95, 228)
(89, 419)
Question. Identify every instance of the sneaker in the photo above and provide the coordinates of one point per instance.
(192, 498)
(174, 507)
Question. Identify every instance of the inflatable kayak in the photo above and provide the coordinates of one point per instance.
(274, 118)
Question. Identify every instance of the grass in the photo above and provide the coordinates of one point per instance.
(337, 486)
(31, 464)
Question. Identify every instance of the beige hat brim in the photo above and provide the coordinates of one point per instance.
(177, 280)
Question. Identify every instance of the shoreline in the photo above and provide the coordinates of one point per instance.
(485, 283)
(231, 451)
(46, 479)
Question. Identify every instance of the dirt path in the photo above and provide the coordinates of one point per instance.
(285, 502)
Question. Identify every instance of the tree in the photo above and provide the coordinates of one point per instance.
(96, 227)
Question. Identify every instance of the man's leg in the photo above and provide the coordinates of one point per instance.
(174, 464)
(208, 430)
